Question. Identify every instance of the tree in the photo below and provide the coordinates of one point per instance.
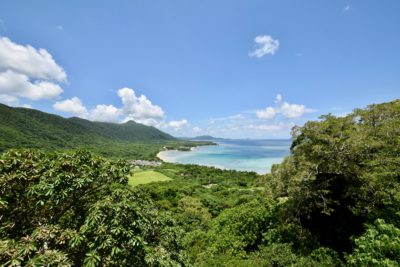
(77, 209)
(378, 246)
(336, 165)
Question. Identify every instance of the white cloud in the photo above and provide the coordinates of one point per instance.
(177, 124)
(15, 85)
(264, 45)
(267, 113)
(293, 111)
(9, 100)
(290, 111)
(278, 99)
(196, 129)
(104, 113)
(73, 105)
(148, 122)
(138, 108)
(26, 72)
(268, 127)
(34, 63)
(227, 118)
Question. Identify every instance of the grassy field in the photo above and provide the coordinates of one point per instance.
(147, 176)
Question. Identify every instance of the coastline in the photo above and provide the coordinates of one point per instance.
(165, 158)
(161, 157)
(230, 156)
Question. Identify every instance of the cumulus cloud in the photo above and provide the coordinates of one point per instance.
(14, 85)
(177, 124)
(104, 113)
(290, 111)
(26, 72)
(293, 111)
(8, 100)
(34, 63)
(139, 108)
(73, 105)
(264, 45)
(196, 130)
(267, 113)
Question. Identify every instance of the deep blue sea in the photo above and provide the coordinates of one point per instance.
(242, 155)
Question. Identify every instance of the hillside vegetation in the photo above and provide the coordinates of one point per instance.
(334, 201)
(29, 128)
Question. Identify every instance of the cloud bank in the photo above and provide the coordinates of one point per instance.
(137, 108)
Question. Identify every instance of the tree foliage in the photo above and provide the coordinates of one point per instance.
(77, 209)
(378, 246)
(343, 172)
(334, 201)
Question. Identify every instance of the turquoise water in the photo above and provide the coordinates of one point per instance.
(242, 155)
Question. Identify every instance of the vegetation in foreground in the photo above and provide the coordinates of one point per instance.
(78, 209)
(334, 201)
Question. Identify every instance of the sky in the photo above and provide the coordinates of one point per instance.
(236, 69)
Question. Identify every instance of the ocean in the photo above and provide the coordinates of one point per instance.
(241, 155)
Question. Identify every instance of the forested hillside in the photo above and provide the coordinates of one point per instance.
(334, 201)
(22, 127)
(29, 128)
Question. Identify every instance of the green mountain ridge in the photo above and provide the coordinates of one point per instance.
(23, 127)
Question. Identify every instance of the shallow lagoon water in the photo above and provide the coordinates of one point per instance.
(241, 155)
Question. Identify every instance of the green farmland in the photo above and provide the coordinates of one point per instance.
(147, 176)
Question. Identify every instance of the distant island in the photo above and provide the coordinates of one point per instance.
(203, 138)
(221, 139)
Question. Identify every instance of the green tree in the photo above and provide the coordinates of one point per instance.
(378, 246)
(77, 209)
(336, 165)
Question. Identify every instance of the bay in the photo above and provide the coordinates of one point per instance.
(241, 155)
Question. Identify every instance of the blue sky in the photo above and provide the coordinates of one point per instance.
(227, 68)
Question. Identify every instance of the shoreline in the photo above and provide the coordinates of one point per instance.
(260, 164)
(167, 159)
(162, 158)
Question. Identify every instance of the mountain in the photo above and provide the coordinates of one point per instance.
(22, 127)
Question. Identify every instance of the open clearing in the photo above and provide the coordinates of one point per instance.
(149, 176)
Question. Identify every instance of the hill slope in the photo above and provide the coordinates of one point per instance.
(22, 127)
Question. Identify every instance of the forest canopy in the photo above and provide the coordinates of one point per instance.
(334, 201)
